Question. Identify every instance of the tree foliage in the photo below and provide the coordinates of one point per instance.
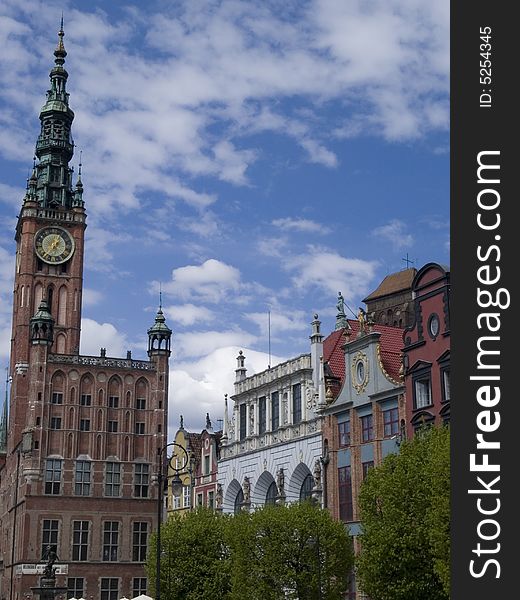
(404, 503)
(289, 552)
(194, 557)
(273, 553)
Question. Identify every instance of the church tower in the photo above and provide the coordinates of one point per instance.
(84, 432)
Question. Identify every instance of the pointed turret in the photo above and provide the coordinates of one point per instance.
(316, 350)
(78, 190)
(55, 147)
(159, 336)
(241, 370)
(224, 437)
(42, 325)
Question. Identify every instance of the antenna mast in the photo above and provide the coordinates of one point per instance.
(269, 336)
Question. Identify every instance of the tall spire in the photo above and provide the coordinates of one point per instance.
(55, 146)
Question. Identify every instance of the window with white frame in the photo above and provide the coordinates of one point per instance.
(113, 479)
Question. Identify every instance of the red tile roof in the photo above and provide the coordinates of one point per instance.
(391, 342)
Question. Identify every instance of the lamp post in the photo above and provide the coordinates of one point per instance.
(176, 485)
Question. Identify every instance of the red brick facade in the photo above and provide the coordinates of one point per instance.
(84, 431)
(427, 350)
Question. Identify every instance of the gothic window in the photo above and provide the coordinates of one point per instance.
(62, 305)
(239, 499)
(114, 392)
(60, 344)
(272, 491)
(306, 489)
(141, 393)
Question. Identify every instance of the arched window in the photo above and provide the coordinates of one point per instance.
(306, 489)
(62, 305)
(238, 501)
(60, 344)
(272, 491)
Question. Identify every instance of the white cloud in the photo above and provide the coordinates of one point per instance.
(232, 64)
(198, 387)
(210, 281)
(327, 270)
(273, 247)
(395, 233)
(200, 343)
(188, 314)
(304, 225)
(6, 297)
(96, 335)
(91, 297)
(279, 323)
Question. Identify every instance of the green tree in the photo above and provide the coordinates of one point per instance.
(296, 551)
(195, 563)
(404, 503)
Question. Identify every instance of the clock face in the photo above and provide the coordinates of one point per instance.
(53, 245)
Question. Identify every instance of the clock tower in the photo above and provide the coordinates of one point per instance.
(51, 228)
(84, 432)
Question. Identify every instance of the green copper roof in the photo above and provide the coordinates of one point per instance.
(43, 314)
(55, 146)
(160, 327)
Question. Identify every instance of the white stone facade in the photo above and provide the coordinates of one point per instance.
(271, 437)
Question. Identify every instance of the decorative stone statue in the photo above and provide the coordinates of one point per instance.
(246, 488)
(280, 481)
(341, 303)
(182, 422)
(362, 320)
(51, 556)
(317, 474)
(208, 422)
(219, 497)
(341, 319)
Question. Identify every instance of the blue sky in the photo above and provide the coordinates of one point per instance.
(245, 157)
